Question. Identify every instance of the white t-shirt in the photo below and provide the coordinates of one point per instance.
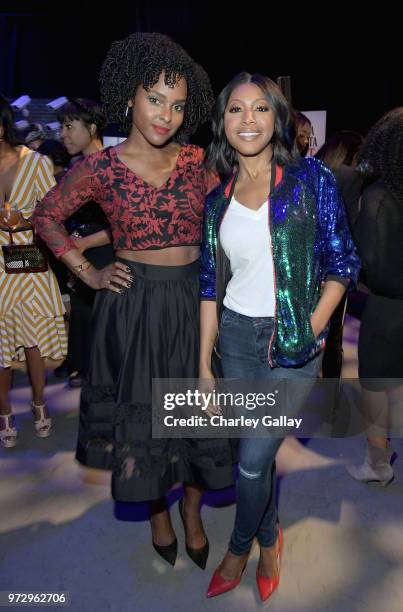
(245, 238)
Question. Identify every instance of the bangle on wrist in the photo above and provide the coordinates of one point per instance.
(82, 267)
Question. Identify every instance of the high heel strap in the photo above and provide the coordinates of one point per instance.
(8, 435)
(43, 425)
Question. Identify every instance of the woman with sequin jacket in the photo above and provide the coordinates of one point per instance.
(277, 256)
(152, 188)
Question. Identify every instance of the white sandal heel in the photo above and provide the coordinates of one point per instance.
(43, 426)
(8, 435)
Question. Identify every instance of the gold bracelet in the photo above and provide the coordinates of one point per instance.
(80, 268)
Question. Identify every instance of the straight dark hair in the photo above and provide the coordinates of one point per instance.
(7, 123)
(87, 111)
(221, 157)
(340, 148)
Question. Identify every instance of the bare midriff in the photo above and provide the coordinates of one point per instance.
(172, 256)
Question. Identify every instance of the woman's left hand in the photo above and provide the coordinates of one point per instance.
(332, 293)
(207, 385)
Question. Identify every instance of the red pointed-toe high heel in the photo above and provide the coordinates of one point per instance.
(218, 585)
(266, 585)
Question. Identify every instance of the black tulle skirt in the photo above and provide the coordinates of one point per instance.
(149, 331)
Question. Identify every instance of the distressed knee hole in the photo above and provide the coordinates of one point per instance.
(249, 475)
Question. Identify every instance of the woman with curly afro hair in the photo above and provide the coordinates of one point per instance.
(152, 188)
(378, 233)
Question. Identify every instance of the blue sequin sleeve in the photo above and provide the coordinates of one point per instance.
(208, 255)
(338, 250)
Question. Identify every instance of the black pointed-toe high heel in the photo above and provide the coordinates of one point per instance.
(198, 555)
(168, 553)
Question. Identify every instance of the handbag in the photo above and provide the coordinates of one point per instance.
(21, 258)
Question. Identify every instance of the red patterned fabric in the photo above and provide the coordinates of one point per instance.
(142, 217)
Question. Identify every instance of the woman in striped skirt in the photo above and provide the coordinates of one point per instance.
(32, 327)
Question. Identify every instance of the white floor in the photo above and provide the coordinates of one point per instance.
(60, 530)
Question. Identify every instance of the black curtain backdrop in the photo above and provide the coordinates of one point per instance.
(50, 50)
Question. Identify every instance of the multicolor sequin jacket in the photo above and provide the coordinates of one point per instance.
(311, 242)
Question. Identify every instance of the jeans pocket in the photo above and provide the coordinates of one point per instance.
(227, 318)
(263, 334)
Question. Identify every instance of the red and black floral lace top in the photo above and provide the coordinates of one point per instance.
(141, 216)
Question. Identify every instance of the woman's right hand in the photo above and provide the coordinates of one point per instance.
(114, 277)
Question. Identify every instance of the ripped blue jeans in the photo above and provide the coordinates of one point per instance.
(243, 344)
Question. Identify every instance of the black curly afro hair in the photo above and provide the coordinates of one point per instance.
(381, 155)
(139, 60)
